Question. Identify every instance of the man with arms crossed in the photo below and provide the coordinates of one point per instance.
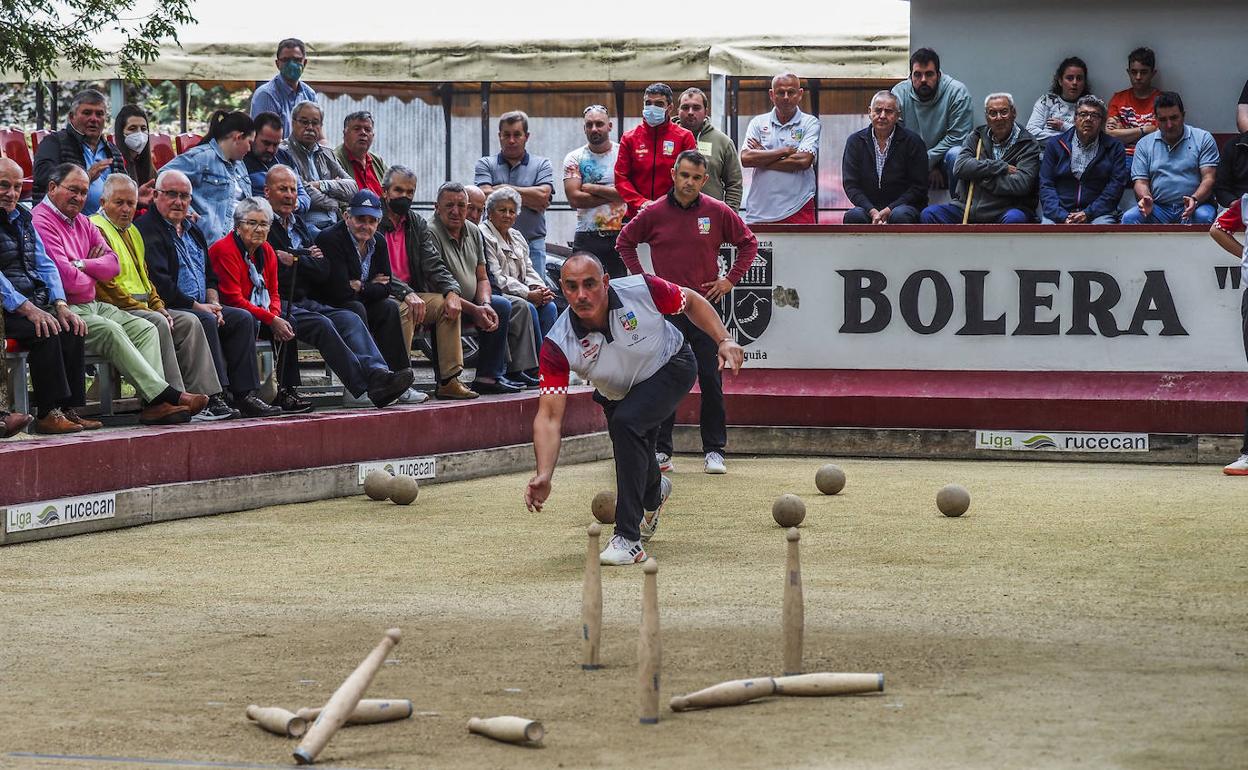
(616, 336)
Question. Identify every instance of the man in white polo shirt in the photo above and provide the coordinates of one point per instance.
(617, 338)
(781, 146)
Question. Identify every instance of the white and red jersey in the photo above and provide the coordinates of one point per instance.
(1232, 221)
(637, 342)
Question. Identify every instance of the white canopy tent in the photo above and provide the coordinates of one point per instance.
(555, 40)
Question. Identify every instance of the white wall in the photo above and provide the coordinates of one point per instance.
(1012, 46)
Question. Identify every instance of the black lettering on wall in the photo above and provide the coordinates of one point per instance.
(1156, 304)
(865, 286)
(1030, 300)
(909, 301)
(976, 324)
(1085, 309)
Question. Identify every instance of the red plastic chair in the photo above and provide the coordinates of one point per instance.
(187, 141)
(162, 149)
(13, 146)
(36, 137)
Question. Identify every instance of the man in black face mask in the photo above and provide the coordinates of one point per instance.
(428, 293)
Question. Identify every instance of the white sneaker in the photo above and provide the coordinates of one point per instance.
(620, 552)
(650, 519)
(665, 462)
(413, 396)
(715, 463)
(1237, 468)
(356, 402)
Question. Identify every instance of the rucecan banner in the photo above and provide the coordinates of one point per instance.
(1117, 301)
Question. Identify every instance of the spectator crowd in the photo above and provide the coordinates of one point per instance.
(267, 232)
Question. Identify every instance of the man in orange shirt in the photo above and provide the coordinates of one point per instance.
(1131, 111)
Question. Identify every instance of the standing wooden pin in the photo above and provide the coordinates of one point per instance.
(649, 652)
(344, 700)
(794, 608)
(591, 602)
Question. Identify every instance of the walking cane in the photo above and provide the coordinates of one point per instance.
(970, 187)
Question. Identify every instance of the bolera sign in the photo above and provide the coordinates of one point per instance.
(1014, 301)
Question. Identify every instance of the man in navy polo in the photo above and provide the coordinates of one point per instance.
(618, 338)
(531, 175)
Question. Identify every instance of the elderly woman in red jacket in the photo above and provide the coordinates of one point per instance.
(246, 268)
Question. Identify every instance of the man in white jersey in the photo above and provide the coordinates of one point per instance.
(616, 337)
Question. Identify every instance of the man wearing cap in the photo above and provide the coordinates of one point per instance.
(359, 280)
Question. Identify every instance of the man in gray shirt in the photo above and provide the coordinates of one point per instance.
(531, 175)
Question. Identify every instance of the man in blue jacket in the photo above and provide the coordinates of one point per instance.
(1083, 171)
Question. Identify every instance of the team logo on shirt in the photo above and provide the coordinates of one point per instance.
(629, 321)
(669, 147)
(798, 133)
(746, 310)
(704, 225)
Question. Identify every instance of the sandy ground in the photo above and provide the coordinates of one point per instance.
(1078, 616)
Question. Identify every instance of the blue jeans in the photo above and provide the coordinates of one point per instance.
(902, 215)
(537, 254)
(1103, 219)
(344, 343)
(492, 358)
(543, 318)
(951, 214)
(1168, 215)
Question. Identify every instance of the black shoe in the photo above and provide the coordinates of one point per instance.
(291, 402)
(387, 389)
(217, 409)
(251, 406)
(499, 387)
(523, 379)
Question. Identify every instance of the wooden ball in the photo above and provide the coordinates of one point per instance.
(603, 506)
(953, 500)
(377, 484)
(830, 479)
(403, 489)
(788, 510)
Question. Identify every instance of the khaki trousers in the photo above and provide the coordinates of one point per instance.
(184, 352)
(446, 333)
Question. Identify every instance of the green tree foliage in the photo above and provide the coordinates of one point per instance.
(37, 34)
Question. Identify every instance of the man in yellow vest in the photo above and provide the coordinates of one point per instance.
(184, 350)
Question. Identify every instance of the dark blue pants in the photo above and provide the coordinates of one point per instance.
(233, 347)
(492, 358)
(712, 420)
(951, 214)
(343, 341)
(55, 364)
(633, 423)
(902, 215)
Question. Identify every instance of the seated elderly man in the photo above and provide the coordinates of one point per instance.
(507, 335)
(184, 350)
(83, 257)
(1083, 173)
(507, 260)
(329, 185)
(359, 280)
(354, 153)
(884, 169)
(420, 281)
(246, 267)
(997, 170)
(38, 317)
(176, 253)
(1173, 169)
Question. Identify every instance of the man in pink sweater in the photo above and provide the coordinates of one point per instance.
(685, 230)
(82, 257)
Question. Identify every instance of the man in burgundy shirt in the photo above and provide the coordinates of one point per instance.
(366, 168)
(684, 231)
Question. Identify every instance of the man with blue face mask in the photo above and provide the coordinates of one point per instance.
(285, 90)
(643, 168)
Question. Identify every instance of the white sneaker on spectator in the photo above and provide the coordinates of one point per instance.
(665, 462)
(715, 463)
(620, 552)
(356, 402)
(413, 396)
(650, 519)
(1237, 468)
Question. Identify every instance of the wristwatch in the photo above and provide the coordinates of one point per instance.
(60, 303)
(78, 263)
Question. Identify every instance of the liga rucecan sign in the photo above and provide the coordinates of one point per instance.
(1014, 301)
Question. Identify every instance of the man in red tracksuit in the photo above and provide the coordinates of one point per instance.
(685, 230)
(643, 168)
